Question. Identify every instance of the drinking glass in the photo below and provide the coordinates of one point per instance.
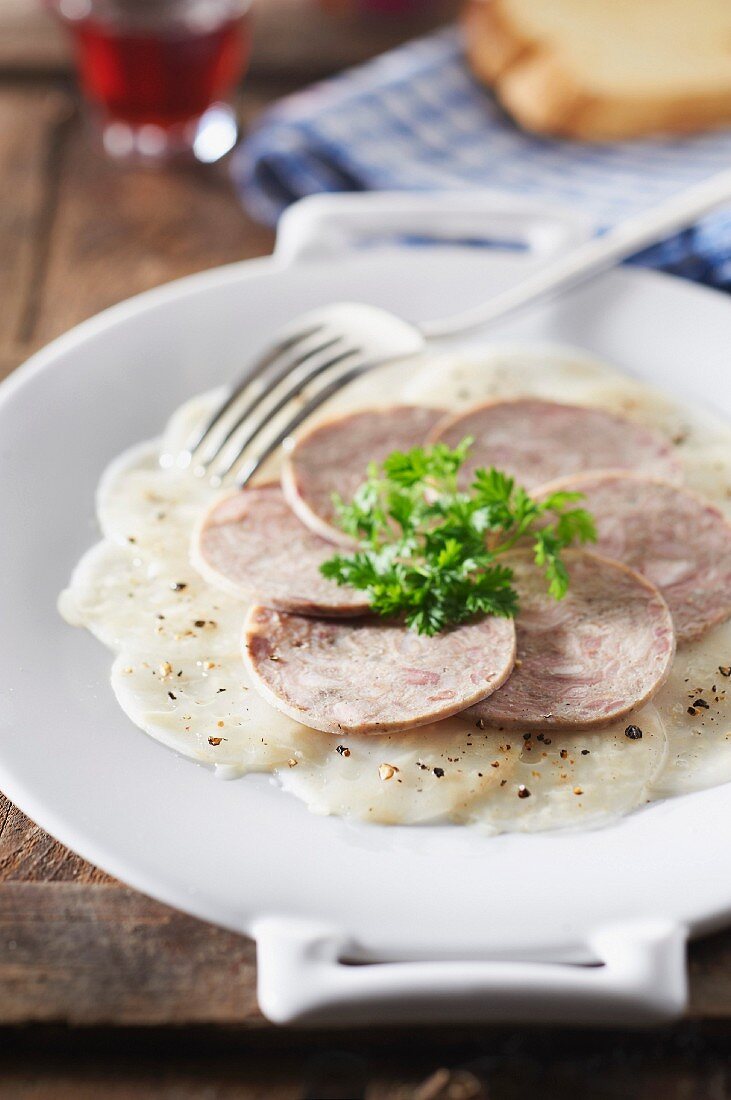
(159, 75)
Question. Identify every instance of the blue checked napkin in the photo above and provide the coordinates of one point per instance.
(414, 119)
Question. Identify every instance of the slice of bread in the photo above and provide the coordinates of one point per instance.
(605, 69)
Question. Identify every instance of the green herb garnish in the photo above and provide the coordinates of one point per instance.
(430, 551)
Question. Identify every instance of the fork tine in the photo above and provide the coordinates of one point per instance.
(292, 391)
(245, 475)
(268, 381)
(202, 434)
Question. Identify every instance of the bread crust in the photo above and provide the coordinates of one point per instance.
(532, 83)
(492, 45)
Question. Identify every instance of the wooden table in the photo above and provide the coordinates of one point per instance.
(104, 992)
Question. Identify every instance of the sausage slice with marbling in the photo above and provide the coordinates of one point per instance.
(371, 676)
(251, 545)
(333, 457)
(538, 441)
(676, 539)
(585, 660)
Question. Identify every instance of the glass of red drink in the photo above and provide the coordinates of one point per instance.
(159, 74)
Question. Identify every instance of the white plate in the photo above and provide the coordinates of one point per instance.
(243, 854)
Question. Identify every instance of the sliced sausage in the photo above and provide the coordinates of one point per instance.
(537, 441)
(252, 545)
(333, 457)
(676, 539)
(585, 660)
(372, 676)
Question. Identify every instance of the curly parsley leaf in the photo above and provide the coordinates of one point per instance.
(428, 551)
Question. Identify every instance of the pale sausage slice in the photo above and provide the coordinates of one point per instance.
(252, 545)
(372, 676)
(333, 457)
(676, 539)
(585, 660)
(537, 441)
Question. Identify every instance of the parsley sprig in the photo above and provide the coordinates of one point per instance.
(430, 552)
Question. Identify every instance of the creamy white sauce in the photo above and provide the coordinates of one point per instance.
(178, 673)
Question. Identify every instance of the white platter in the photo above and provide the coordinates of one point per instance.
(497, 924)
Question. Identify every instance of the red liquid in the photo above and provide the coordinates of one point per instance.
(164, 78)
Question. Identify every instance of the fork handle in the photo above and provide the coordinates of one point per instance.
(592, 257)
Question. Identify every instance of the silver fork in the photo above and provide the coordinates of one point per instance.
(325, 349)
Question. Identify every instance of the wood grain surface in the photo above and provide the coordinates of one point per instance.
(84, 950)
(306, 39)
(104, 992)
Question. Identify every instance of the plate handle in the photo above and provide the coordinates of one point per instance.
(322, 226)
(639, 978)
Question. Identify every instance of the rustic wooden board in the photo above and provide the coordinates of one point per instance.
(119, 230)
(79, 233)
(103, 954)
(86, 958)
(99, 955)
(32, 124)
(30, 40)
(27, 854)
(303, 37)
